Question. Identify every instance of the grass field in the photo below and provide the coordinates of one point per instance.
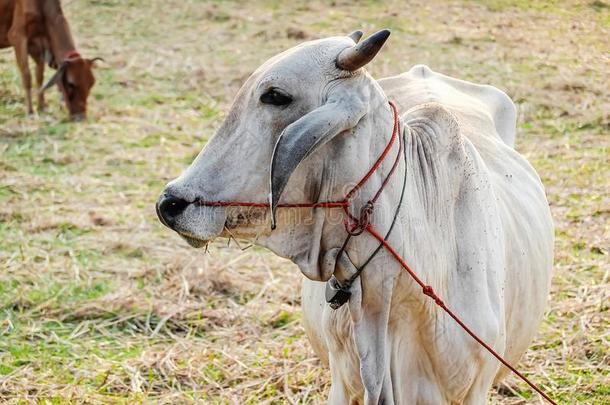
(101, 304)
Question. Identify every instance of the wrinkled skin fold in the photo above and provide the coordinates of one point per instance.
(475, 223)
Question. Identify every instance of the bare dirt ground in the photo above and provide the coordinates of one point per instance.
(100, 304)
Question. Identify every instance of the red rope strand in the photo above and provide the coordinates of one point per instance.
(328, 204)
(73, 54)
(380, 159)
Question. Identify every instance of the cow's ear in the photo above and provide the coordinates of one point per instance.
(56, 77)
(300, 139)
(355, 36)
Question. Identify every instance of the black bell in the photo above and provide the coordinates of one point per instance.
(336, 294)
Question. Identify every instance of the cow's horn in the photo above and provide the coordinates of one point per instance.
(355, 36)
(359, 55)
(56, 77)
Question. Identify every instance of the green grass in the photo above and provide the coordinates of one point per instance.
(100, 304)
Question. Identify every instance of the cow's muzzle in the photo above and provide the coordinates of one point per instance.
(196, 224)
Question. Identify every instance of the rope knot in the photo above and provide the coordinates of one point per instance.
(361, 223)
(427, 290)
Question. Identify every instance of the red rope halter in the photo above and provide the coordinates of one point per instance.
(73, 54)
(357, 225)
(344, 203)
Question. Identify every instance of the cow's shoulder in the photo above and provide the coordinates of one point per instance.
(437, 156)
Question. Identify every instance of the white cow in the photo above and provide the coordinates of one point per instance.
(474, 223)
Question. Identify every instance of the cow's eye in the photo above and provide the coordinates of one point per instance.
(275, 97)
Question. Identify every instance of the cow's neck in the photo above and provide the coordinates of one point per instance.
(365, 145)
(58, 30)
(385, 302)
(425, 230)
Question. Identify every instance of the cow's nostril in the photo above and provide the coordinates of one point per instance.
(169, 207)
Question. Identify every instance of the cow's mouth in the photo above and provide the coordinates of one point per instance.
(243, 226)
(195, 242)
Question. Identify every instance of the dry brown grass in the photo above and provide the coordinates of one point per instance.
(100, 304)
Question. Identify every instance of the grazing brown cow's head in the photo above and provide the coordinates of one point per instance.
(74, 77)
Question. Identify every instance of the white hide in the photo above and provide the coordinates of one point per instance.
(498, 280)
(474, 224)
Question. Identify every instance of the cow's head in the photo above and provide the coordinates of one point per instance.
(311, 115)
(74, 78)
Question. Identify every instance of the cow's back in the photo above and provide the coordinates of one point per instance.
(23, 18)
(487, 119)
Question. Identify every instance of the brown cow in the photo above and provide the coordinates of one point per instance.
(39, 29)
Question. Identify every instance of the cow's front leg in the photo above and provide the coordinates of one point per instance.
(20, 45)
(338, 394)
(370, 310)
(477, 394)
(39, 83)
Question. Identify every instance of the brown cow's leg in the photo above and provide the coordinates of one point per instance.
(39, 83)
(21, 53)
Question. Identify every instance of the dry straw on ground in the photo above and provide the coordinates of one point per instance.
(100, 304)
